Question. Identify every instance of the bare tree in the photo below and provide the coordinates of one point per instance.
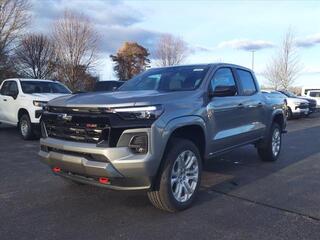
(14, 17)
(285, 66)
(76, 44)
(171, 50)
(35, 57)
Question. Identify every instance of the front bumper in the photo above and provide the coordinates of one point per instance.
(86, 163)
(300, 111)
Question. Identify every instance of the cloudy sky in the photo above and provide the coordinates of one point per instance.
(216, 30)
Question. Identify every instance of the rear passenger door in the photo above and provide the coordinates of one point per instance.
(253, 104)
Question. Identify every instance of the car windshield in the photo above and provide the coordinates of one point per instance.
(43, 87)
(182, 78)
(289, 94)
(107, 86)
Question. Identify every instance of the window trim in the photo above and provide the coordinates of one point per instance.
(239, 80)
(233, 75)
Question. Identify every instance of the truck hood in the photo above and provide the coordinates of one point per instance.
(47, 96)
(119, 98)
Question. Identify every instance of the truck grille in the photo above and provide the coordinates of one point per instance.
(79, 129)
(75, 132)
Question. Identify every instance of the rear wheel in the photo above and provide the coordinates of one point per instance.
(270, 150)
(180, 177)
(25, 127)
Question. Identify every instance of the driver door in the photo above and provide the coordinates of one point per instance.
(226, 113)
(8, 102)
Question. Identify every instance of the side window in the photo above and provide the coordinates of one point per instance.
(223, 77)
(13, 89)
(10, 88)
(247, 82)
(5, 88)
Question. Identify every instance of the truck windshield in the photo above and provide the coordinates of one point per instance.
(182, 78)
(43, 87)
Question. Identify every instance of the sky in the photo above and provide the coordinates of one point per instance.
(216, 31)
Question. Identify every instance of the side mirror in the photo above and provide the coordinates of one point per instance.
(224, 91)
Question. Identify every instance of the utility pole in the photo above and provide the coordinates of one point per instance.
(252, 60)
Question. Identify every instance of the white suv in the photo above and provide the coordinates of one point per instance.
(296, 107)
(21, 102)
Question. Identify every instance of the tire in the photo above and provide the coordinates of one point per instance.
(270, 150)
(289, 113)
(25, 127)
(162, 195)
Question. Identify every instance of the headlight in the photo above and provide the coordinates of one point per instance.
(146, 112)
(297, 103)
(39, 103)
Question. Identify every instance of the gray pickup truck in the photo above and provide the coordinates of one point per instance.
(156, 131)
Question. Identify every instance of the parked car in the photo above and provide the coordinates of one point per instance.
(315, 95)
(305, 90)
(107, 86)
(297, 107)
(157, 129)
(21, 102)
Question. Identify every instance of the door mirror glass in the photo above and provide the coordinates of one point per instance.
(224, 91)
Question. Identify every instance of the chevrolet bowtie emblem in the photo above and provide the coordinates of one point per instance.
(65, 117)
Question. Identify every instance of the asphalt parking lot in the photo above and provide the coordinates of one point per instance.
(241, 197)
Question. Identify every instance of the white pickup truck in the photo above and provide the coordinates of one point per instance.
(21, 102)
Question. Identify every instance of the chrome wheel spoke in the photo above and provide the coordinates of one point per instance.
(184, 176)
(276, 142)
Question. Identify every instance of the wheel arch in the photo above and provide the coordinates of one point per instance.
(279, 117)
(189, 127)
(21, 112)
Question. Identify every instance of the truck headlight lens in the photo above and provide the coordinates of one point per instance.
(39, 103)
(133, 113)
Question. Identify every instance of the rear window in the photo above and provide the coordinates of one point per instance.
(247, 82)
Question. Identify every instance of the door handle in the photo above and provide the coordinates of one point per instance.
(5, 100)
(259, 104)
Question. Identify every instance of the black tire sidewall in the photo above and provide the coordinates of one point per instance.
(178, 146)
(29, 135)
(266, 152)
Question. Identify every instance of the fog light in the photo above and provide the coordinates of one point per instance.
(139, 143)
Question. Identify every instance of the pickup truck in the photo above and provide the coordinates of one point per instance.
(156, 131)
(22, 100)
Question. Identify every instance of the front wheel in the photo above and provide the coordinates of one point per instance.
(270, 150)
(25, 128)
(180, 177)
